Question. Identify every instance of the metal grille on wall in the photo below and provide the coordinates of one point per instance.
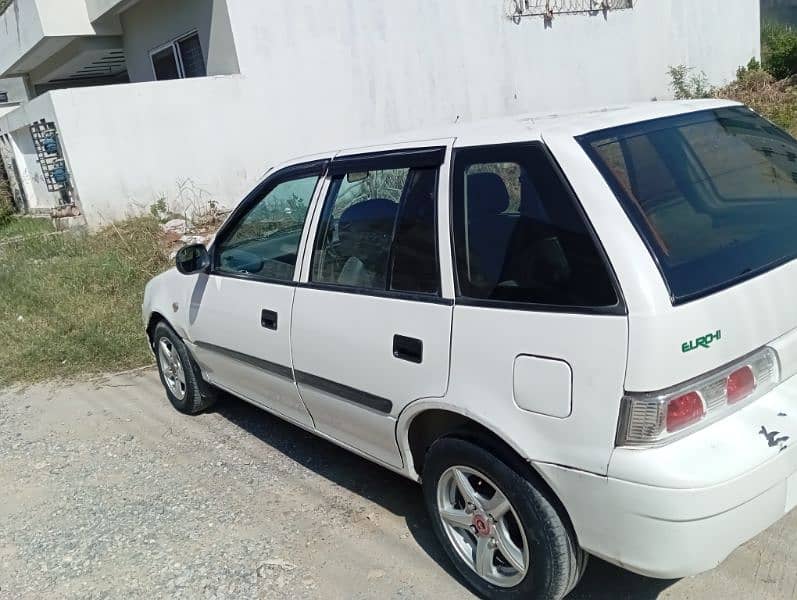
(549, 8)
(50, 158)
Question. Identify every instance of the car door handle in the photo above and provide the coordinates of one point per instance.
(407, 348)
(268, 319)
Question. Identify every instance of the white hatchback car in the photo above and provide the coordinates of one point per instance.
(578, 332)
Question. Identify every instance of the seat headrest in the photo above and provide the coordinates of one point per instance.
(368, 212)
(487, 194)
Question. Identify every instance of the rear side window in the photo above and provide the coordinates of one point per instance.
(377, 232)
(713, 194)
(519, 235)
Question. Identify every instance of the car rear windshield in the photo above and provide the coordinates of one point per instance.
(712, 193)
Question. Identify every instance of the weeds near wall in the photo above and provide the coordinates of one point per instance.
(754, 86)
(198, 204)
(688, 84)
(6, 202)
(758, 89)
(160, 210)
(71, 304)
(192, 203)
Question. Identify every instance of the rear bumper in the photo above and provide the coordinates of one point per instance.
(639, 527)
(682, 509)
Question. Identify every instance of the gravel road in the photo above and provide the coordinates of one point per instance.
(106, 492)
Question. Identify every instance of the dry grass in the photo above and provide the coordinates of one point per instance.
(71, 304)
(776, 100)
(6, 205)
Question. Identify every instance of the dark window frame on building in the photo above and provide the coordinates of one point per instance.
(3, 97)
(171, 60)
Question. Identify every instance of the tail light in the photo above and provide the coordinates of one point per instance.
(657, 418)
(684, 410)
(741, 383)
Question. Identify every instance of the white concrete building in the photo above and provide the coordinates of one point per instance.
(12, 91)
(191, 100)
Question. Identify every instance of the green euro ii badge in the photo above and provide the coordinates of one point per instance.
(704, 341)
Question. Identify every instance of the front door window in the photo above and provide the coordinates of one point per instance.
(264, 243)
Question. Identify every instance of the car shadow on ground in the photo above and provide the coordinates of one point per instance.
(403, 498)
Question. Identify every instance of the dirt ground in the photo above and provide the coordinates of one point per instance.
(107, 492)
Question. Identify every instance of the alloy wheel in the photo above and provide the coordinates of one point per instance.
(482, 526)
(172, 368)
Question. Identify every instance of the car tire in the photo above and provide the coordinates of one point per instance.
(533, 531)
(179, 373)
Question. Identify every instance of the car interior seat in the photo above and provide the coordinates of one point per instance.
(364, 232)
(489, 229)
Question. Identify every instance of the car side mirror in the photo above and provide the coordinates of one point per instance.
(192, 259)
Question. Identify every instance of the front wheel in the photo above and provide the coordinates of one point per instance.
(502, 532)
(179, 374)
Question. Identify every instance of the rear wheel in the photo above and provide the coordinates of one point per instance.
(180, 375)
(503, 533)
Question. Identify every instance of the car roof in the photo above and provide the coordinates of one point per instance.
(527, 127)
(534, 126)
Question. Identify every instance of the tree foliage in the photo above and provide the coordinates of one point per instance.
(779, 49)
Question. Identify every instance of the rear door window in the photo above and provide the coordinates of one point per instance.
(377, 232)
(519, 235)
(414, 266)
(713, 194)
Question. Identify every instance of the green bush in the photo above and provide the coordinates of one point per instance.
(779, 49)
(753, 67)
(686, 84)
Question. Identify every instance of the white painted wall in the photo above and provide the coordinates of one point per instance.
(15, 88)
(16, 123)
(32, 176)
(62, 17)
(161, 140)
(396, 65)
(20, 30)
(28, 23)
(100, 8)
(316, 75)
